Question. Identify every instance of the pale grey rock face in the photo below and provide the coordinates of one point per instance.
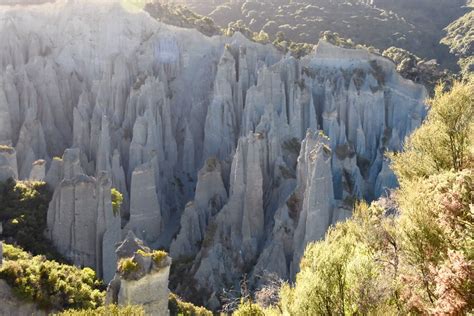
(221, 121)
(316, 187)
(386, 180)
(306, 214)
(11, 305)
(151, 292)
(81, 222)
(145, 213)
(150, 103)
(54, 175)
(8, 163)
(5, 120)
(148, 286)
(235, 234)
(210, 196)
(38, 171)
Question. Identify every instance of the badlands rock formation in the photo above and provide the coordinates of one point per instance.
(228, 152)
(81, 222)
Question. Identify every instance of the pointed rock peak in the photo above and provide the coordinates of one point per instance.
(72, 163)
(130, 245)
(212, 164)
(227, 56)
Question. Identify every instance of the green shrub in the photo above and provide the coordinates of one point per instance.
(247, 308)
(49, 284)
(178, 307)
(158, 256)
(117, 200)
(14, 253)
(127, 266)
(109, 310)
(445, 140)
(341, 274)
(23, 211)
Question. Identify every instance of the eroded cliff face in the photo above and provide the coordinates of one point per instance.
(227, 152)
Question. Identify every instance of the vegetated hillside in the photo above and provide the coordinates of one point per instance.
(409, 254)
(48, 284)
(460, 39)
(409, 65)
(413, 25)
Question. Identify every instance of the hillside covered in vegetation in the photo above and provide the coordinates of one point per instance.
(411, 253)
(416, 26)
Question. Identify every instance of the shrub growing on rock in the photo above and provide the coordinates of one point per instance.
(117, 200)
(109, 310)
(23, 212)
(178, 307)
(127, 266)
(51, 285)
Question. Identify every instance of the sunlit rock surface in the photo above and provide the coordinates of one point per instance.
(206, 137)
(147, 285)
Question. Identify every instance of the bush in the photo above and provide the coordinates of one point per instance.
(247, 308)
(109, 310)
(127, 266)
(117, 200)
(178, 307)
(49, 284)
(436, 236)
(23, 211)
(158, 257)
(341, 275)
(445, 140)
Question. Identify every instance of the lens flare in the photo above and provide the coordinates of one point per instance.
(133, 5)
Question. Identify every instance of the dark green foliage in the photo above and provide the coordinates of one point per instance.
(177, 307)
(416, 69)
(49, 284)
(445, 140)
(23, 212)
(460, 39)
(109, 310)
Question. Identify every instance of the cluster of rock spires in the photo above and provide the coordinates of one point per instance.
(228, 153)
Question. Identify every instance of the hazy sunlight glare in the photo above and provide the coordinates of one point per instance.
(133, 5)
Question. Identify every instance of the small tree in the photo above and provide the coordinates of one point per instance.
(444, 141)
(117, 200)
